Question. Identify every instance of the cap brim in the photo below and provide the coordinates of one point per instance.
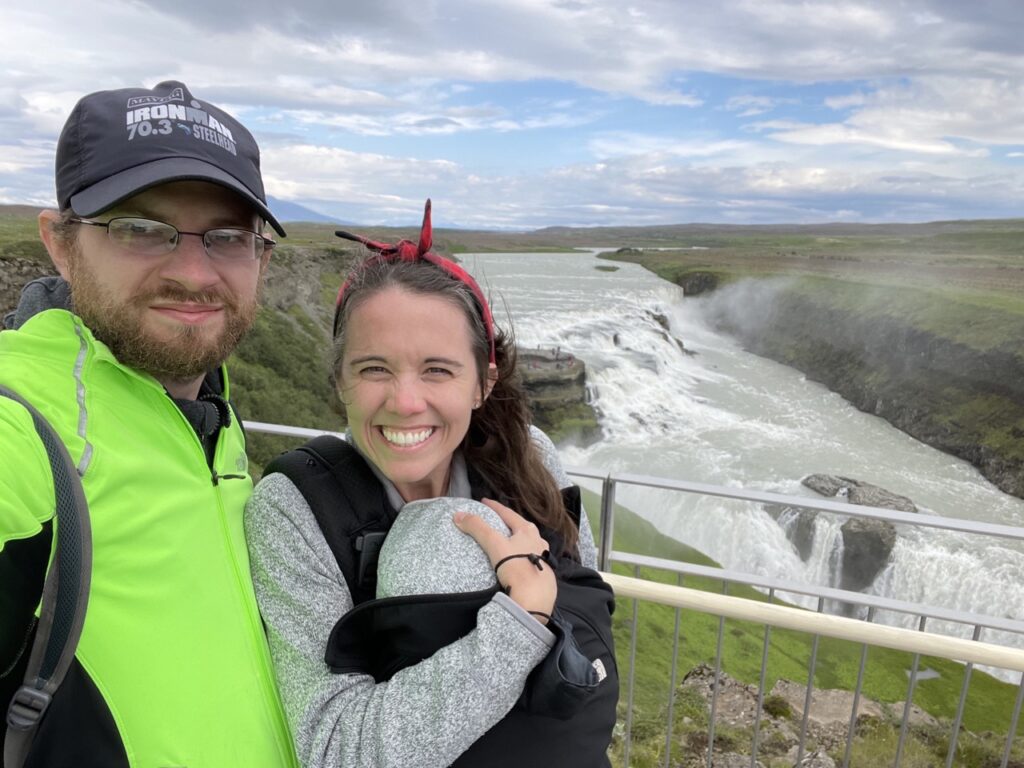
(114, 189)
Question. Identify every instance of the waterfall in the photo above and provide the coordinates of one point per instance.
(706, 411)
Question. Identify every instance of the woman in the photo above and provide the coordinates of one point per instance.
(434, 410)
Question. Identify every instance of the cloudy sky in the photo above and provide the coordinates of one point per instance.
(528, 113)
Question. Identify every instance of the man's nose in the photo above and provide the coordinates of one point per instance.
(189, 265)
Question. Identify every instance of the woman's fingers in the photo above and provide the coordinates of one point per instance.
(491, 541)
(514, 521)
(532, 587)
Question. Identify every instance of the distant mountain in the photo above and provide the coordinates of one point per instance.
(288, 211)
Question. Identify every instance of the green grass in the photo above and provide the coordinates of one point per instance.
(19, 234)
(978, 320)
(279, 374)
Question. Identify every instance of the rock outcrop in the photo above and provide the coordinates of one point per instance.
(867, 544)
(556, 384)
(858, 492)
(696, 283)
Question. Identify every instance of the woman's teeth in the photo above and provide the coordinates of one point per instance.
(406, 439)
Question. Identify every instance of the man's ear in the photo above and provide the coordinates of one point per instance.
(55, 246)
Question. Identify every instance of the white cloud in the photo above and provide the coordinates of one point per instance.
(845, 102)
(925, 95)
(640, 189)
(749, 106)
(937, 115)
(626, 144)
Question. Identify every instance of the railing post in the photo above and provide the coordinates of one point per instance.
(911, 686)
(604, 554)
(760, 685)
(809, 695)
(672, 683)
(1013, 725)
(958, 720)
(632, 675)
(852, 728)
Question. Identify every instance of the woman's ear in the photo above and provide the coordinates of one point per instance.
(492, 378)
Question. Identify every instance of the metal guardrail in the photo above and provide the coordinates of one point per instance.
(817, 623)
(864, 632)
(868, 633)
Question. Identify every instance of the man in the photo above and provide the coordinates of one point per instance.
(159, 243)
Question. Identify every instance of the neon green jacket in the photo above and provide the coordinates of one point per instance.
(172, 644)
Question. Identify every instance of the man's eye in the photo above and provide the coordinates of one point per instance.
(227, 236)
(373, 370)
(439, 372)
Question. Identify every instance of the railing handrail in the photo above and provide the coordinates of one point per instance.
(806, 502)
(285, 430)
(838, 627)
(814, 590)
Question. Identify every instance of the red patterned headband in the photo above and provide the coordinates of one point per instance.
(406, 250)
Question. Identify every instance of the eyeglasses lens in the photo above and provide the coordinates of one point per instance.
(154, 238)
(143, 235)
(232, 244)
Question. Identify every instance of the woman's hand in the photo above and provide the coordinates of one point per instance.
(532, 589)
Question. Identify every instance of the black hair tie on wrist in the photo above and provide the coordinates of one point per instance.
(533, 557)
(542, 614)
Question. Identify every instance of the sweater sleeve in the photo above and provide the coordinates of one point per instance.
(427, 714)
(549, 455)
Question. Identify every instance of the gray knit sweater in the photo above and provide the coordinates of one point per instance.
(428, 714)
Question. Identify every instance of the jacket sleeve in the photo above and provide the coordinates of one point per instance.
(427, 714)
(549, 455)
(26, 485)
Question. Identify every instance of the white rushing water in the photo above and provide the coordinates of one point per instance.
(727, 417)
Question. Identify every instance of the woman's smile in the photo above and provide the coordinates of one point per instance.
(406, 438)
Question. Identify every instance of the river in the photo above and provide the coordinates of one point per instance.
(721, 415)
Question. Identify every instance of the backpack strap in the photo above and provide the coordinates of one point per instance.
(64, 600)
(349, 504)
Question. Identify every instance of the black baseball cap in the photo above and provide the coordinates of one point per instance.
(118, 143)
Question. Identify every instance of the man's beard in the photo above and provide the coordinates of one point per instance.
(185, 356)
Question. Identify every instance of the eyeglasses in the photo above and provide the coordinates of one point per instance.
(156, 238)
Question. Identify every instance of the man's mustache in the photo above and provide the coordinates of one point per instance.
(176, 295)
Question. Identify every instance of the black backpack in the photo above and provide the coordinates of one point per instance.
(554, 722)
(65, 595)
